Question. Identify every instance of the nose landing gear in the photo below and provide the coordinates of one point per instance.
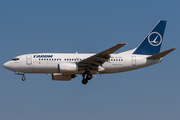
(20, 73)
(23, 78)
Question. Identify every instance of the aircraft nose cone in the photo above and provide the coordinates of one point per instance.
(6, 65)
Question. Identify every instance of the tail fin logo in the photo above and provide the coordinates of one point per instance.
(155, 38)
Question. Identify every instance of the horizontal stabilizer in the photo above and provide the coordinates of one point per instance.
(160, 55)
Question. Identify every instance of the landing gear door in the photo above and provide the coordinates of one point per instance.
(133, 60)
(28, 60)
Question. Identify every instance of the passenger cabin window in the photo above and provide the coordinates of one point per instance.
(15, 59)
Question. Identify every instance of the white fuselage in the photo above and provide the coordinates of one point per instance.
(48, 63)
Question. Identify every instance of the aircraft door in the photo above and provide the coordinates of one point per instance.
(133, 60)
(28, 59)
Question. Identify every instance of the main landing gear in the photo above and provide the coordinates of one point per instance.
(86, 76)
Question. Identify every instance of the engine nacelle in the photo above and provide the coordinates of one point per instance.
(67, 67)
(62, 77)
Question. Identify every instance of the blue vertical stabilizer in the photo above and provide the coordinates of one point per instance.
(152, 42)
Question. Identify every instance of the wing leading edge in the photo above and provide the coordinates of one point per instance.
(97, 60)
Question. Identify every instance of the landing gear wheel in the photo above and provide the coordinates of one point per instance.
(89, 76)
(23, 78)
(84, 81)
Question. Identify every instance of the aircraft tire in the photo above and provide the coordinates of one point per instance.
(23, 78)
(84, 81)
(89, 76)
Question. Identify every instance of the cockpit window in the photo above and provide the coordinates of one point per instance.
(15, 59)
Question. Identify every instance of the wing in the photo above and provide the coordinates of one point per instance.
(93, 62)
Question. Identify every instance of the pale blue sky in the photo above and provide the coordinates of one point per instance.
(36, 26)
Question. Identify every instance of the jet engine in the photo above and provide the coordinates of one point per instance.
(67, 67)
(62, 77)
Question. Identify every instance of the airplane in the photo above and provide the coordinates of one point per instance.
(65, 66)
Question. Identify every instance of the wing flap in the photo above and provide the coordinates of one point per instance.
(162, 54)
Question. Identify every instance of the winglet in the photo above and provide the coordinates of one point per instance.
(162, 54)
